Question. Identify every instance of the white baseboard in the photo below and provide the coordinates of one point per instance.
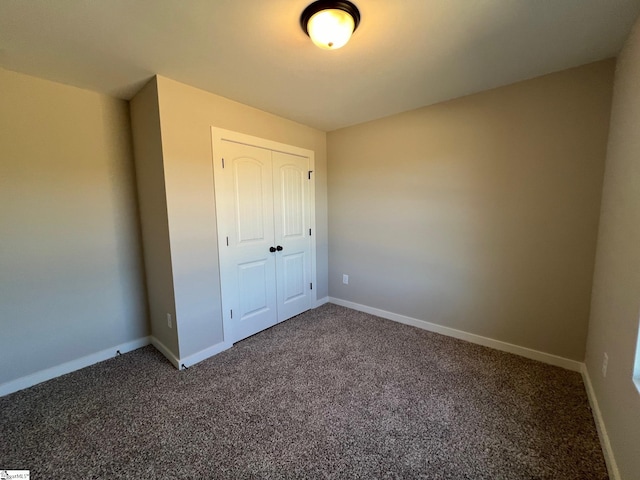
(610, 460)
(162, 348)
(71, 366)
(321, 302)
(190, 359)
(204, 354)
(469, 337)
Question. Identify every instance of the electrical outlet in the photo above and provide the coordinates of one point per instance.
(169, 324)
(605, 364)
(345, 279)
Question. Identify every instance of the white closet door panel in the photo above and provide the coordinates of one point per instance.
(293, 271)
(256, 307)
(292, 205)
(244, 192)
(292, 223)
(252, 202)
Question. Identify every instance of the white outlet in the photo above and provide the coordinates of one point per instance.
(169, 324)
(605, 363)
(345, 279)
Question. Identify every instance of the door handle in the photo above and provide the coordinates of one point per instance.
(279, 248)
(272, 249)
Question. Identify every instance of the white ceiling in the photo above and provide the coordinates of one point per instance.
(405, 53)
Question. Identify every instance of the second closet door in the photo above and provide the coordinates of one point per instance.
(291, 218)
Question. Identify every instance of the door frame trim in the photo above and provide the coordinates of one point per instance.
(217, 136)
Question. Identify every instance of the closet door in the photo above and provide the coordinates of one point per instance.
(244, 196)
(291, 214)
(265, 219)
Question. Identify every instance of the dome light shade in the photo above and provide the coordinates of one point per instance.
(330, 24)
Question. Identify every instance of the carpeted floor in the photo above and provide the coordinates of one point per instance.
(332, 393)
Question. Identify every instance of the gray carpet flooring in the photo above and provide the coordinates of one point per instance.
(332, 393)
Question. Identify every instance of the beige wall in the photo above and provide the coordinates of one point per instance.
(70, 271)
(186, 116)
(615, 304)
(147, 148)
(479, 214)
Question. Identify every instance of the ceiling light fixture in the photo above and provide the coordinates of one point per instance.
(330, 24)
